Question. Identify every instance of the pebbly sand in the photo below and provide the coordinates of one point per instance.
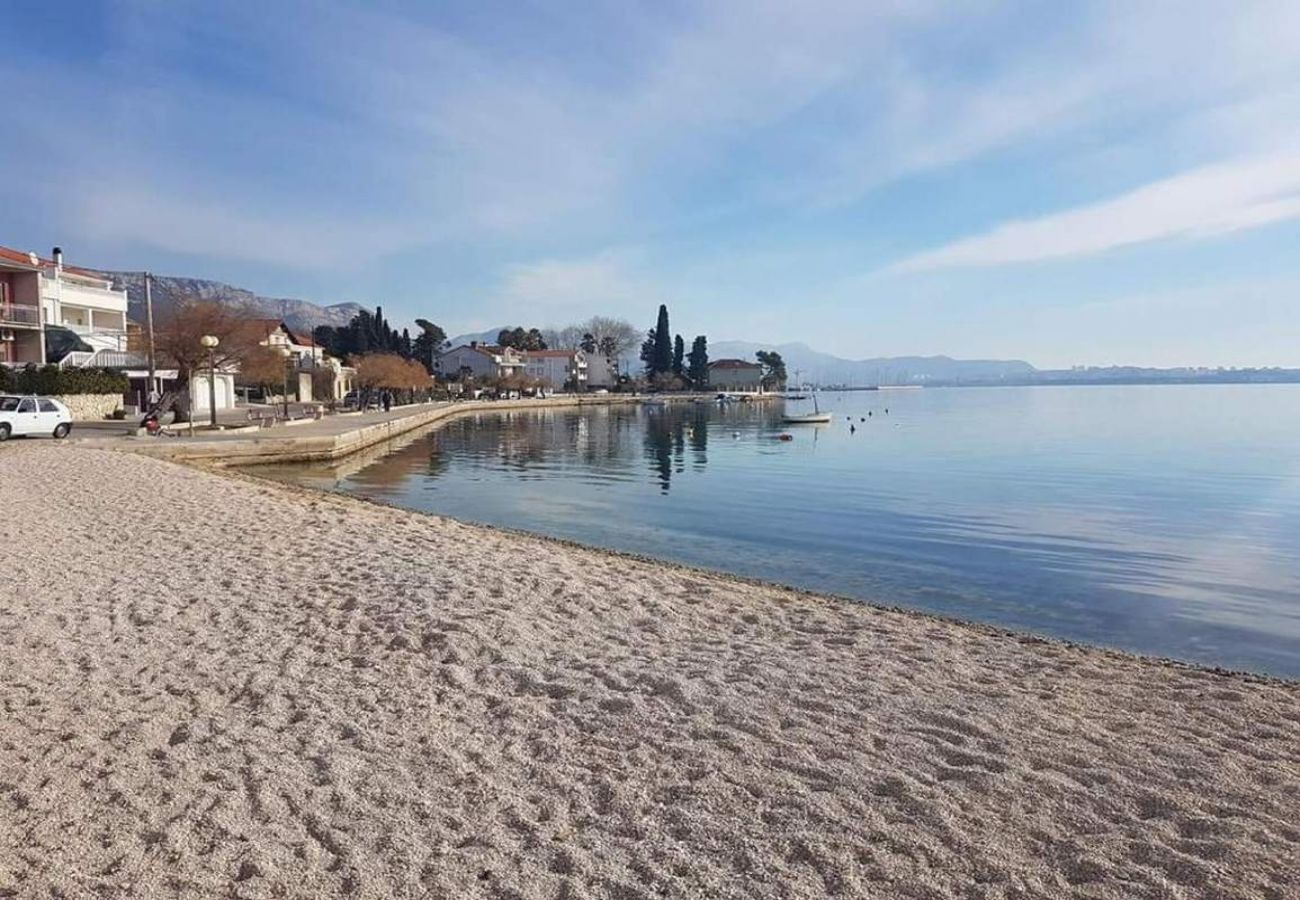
(213, 686)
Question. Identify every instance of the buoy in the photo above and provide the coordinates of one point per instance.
(785, 437)
(735, 434)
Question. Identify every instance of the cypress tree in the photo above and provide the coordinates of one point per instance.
(663, 358)
(679, 355)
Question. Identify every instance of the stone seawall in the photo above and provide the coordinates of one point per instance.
(307, 445)
(90, 406)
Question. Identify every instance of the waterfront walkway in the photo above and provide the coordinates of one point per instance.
(304, 440)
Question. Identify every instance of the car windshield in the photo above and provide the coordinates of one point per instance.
(8, 404)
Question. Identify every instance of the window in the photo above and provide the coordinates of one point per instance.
(8, 404)
(48, 406)
(27, 405)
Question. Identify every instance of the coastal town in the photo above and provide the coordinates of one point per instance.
(65, 332)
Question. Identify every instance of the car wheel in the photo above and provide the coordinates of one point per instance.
(61, 430)
(4, 431)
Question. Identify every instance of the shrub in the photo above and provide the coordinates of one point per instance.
(33, 379)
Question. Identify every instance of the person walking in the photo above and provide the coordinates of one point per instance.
(388, 401)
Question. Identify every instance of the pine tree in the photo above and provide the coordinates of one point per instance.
(679, 356)
(697, 369)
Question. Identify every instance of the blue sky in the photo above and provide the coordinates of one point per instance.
(1063, 183)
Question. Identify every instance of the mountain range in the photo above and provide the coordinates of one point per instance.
(803, 363)
(806, 365)
(167, 289)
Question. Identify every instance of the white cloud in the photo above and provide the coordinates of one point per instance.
(555, 291)
(1216, 199)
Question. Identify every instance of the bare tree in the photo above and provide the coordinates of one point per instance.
(178, 337)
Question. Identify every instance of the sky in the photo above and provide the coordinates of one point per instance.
(1065, 183)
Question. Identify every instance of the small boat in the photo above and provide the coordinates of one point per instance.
(654, 401)
(816, 417)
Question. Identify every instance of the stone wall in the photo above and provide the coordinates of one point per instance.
(86, 407)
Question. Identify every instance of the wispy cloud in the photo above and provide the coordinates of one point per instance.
(1210, 200)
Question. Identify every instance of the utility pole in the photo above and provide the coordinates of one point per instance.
(148, 313)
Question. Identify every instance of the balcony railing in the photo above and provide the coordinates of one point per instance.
(13, 314)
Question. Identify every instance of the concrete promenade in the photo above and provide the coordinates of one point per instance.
(331, 437)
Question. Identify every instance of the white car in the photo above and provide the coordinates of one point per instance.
(33, 416)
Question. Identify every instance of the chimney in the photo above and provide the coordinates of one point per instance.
(58, 259)
(473, 343)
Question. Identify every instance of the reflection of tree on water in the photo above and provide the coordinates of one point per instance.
(602, 442)
(666, 435)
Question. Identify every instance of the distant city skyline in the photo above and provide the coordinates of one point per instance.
(1081, 184)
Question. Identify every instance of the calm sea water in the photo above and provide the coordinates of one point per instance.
(1161, 519)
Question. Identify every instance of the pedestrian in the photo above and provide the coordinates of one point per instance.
(388, 401)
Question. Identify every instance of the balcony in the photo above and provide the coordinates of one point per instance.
(13, 314)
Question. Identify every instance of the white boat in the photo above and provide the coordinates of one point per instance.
(817, 417)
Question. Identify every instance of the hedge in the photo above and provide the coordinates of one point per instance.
(33, 379)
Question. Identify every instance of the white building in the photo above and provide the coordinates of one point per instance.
(44, 303)
(557, 369)
(735, 375)
(602, 372)
(478, 361)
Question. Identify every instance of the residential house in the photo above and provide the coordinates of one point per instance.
(52, 313)
(310, 367)
(478, 361)
(602, 371)
(557, 369)
(735, 375)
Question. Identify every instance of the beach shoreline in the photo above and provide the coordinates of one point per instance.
(223, 684)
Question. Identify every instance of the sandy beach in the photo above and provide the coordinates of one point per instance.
(215, 686)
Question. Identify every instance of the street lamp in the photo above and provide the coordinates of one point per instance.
(210, 341)
(285, 354)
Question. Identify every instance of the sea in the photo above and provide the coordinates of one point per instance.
(1162, 519)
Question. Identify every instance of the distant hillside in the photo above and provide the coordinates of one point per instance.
(483, 337)
(823, 368)
(298, 314)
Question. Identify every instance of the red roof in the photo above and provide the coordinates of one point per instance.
(17, 256)
(24, 258)
(538, 354)
(733, 364)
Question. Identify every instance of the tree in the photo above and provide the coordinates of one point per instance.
(520, 339)
(773, 368)
(263, 367)
(648, 353)
(588, 343)
(679, 356)
(428, 342)
(697, 369)
(367, 332)
(388, 371)
(615, 338)
(663, 349)
(177, 334)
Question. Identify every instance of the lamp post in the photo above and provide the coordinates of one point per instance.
(211, 341)
(285, 354)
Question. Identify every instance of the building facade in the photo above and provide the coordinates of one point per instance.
(478, 361)
(52, 313)
(602, 372)
(557, 370)
(735, 375)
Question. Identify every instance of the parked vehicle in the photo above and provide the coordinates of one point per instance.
(32, 416)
